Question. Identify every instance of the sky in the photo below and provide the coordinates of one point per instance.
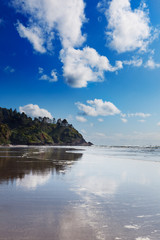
(95, 63)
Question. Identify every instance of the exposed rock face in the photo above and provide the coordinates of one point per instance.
(19, 129)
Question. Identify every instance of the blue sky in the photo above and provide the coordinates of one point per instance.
(96, 63)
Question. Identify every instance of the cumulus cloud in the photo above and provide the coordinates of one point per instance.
(127, 29)
(158, 124)
(81, 119)
(52, 78)
(34, 36)
(47, 19)
(152, 64)
(134, 62)
(83, 66)
(35, 111)
(97, 107)
(52, 17)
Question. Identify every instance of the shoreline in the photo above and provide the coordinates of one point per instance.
(47, 145)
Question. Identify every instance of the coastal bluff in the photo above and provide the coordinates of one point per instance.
(18, 129)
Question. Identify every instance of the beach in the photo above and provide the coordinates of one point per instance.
(67, 193)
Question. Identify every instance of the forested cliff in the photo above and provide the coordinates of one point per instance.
(19, 129)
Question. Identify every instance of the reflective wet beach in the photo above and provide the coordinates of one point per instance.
(79, 193)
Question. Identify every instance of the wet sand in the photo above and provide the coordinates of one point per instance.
(94, 193)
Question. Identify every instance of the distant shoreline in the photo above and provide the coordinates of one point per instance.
(48, 145)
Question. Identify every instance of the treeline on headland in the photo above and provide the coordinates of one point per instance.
(18, 129)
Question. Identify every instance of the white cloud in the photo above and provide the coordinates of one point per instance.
(9, 69)
(35, 111)
(127, 29)
(52, 78)
(47, 19)
(81, 119)
(100, 119)
(124, 116)
(142, 115)
(34, 36)
(83, 66)
(53, 16)
(134, 62)
(152, 64)
(97, 107)
(158, 124)
(124, 120)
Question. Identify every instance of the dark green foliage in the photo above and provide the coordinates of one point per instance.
(18, 128)
(5, 134)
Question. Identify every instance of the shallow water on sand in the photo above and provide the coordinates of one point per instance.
(80, 193)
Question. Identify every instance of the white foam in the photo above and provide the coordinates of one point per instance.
(144, 216)
(136, 227)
